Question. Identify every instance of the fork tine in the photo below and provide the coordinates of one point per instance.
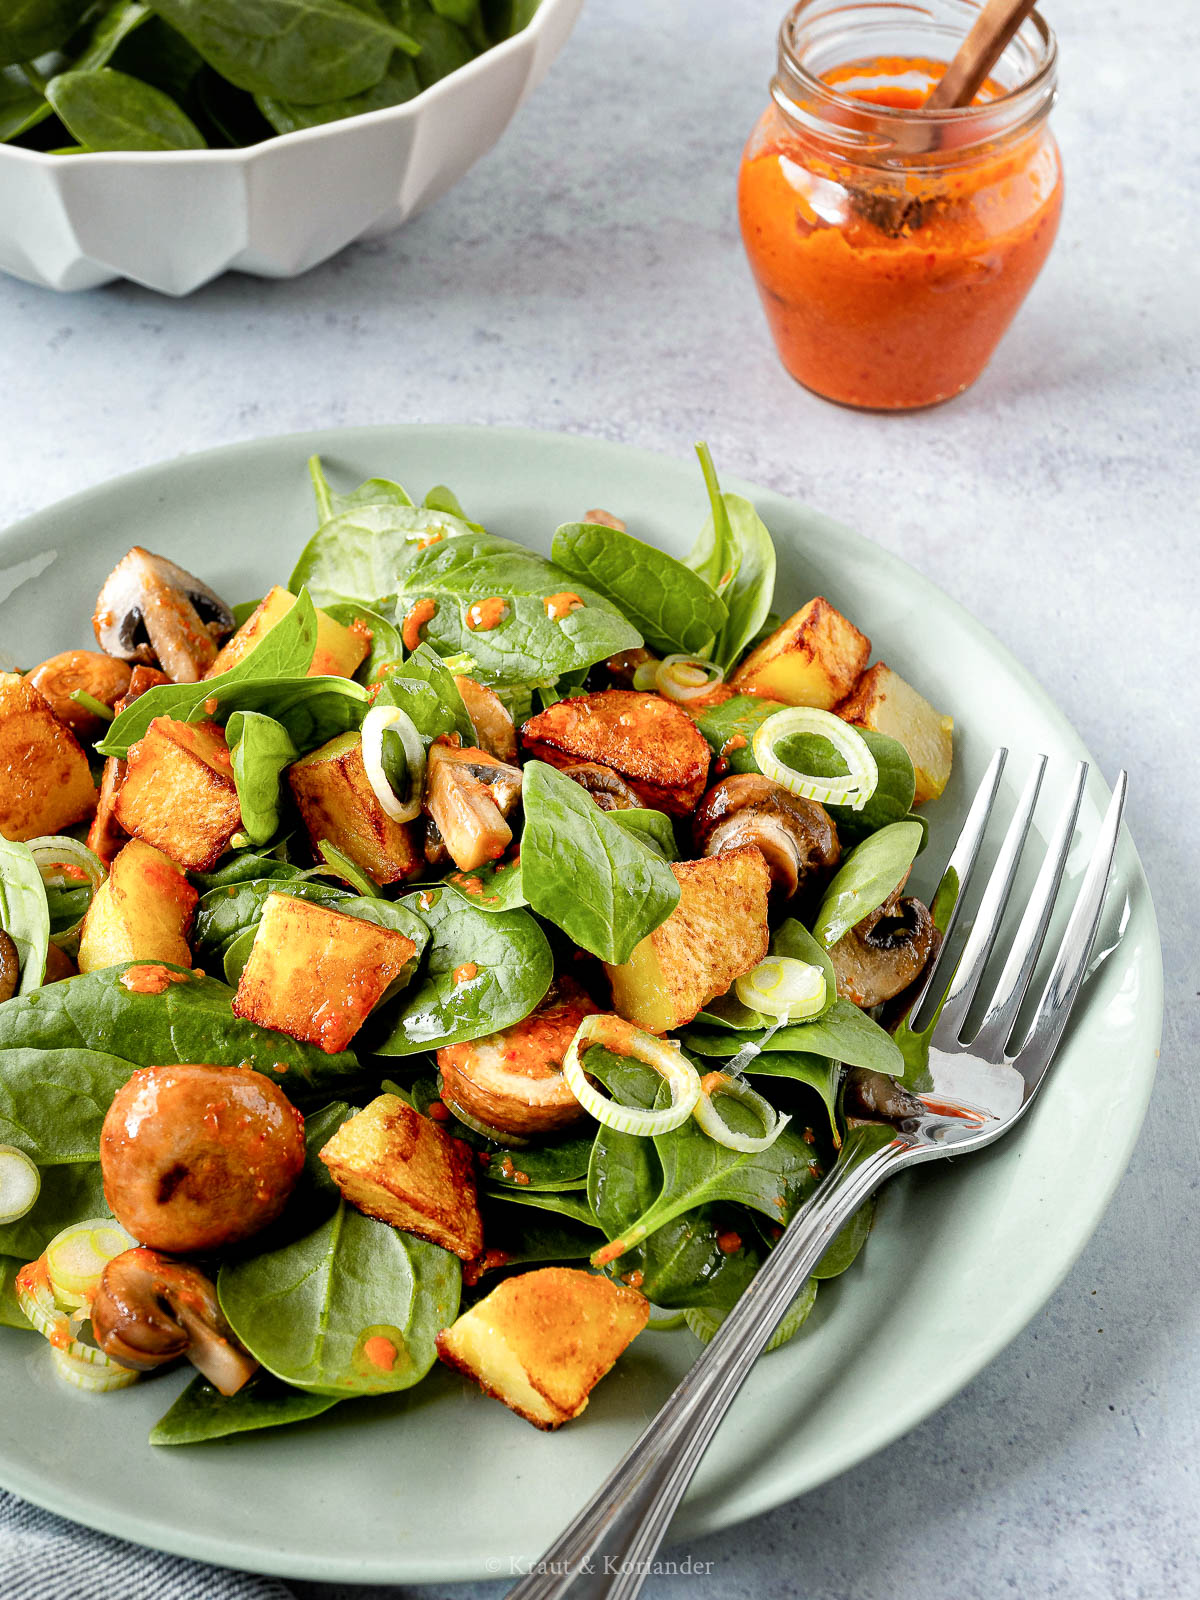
(959, 868)
(982, 938)
(1070, 965)
(1022, 958)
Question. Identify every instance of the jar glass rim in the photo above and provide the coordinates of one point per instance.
(801, 91)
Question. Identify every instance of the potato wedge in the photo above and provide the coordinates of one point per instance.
(339, 653)
(178, 792)
(884, 702)
(142, 912)
(813, 659)
(106, 835)
(45, 781)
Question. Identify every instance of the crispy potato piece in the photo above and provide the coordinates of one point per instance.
(337, 803)
(541, 1341)
(884, 702)
(398, 1166)
(106, 835)
(178, 792)
(653, 744)
(316, 973)
(45, 782)
(813, 659)
(716, 932)
(142, 912)
(340, 650)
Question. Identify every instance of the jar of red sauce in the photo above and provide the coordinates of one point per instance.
(892, 246)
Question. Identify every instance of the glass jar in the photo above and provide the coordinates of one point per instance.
(892, 246)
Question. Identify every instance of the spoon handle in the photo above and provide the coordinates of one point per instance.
(978, 54)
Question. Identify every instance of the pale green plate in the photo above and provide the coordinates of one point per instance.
(446, 1484)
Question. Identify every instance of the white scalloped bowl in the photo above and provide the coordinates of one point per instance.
(173, 220)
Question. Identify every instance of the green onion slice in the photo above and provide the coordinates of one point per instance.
(853, 790)
(93, 1377)
(717, 1129)
(20, 1183)
(782, 986)
(378, 721)
(644, 675)
(704, 1321)
(684, 678)
(76, 1258)
(665, 1057)
(484, 1129)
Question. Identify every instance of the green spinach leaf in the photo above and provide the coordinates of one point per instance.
(866, 877)
(596, 880)
(424, 687)
(821, 1074)
(513, 969)
(53, 1102)
(361, 553)
(374, 492)
(791, 939)
(398, 84)
(11, 1315)
(321, 1312)
(30, 28)
(844, 1032)
(24, 911)
(22, 105)
(736, 555)
(203, 1412)
(387, 649)
(261, 749)
(563, 1203)
(673, 608)
(71, 1192)
(496, 887)
(108, 110)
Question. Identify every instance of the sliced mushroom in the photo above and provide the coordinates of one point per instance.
(875, 1097)
(606, 787)
(151, 1309)
(102, 676)
(151, 610)
(492, 719)
(10, 967)
(468, 793)
(797, 837)
(884, 953)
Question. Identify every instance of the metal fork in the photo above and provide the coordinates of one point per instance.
(972, 1093)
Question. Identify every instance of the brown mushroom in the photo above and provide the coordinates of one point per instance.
(492, 720)
(195, 1157)
(150, 1310)
(81, 671)
(151, 610)
(606, 787)
(622, 667)
(876, 1097)
(884, 953)
(468, 794)
(10, 967)
(797, 837)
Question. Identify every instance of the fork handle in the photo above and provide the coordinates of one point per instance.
(607, 1551)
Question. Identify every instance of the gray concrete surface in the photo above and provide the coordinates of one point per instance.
(588, 276)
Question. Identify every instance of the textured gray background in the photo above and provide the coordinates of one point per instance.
(587, 276)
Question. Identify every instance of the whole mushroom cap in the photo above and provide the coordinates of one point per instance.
(153, 611)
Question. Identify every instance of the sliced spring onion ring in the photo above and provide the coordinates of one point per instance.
(704, 1321)
(717, 1129)
(20, 1183)
(41, 1306)
(377, 721)
(496, 1135)
(53, 852)
(76, 1258)
(685, 678)
(853, 790)
(90, 1376)
(782, 986)
(643, 676)
(624, 1039)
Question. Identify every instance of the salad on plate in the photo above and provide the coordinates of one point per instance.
(452, 955)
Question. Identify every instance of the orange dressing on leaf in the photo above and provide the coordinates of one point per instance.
(416, 617)
(484, 615)
(561, 605)
(150, 978)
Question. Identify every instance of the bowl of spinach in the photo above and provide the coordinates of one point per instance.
(166, 141)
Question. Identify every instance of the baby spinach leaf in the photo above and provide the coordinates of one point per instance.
(714, 556)
(424, 687)
(496, 887)
(71, 1192)
(596, 880)
(398, 84)
(284, 652)
(555, 1166)
(624, 1175)
(312, 1310)
(866, 877)
(387, 649)
(735, 553)
(440, 498)
(741, 717)
(513, 966)
(107, 110)
(375, 491)
(444, 47)
(53, 1102)
(844, 1032)
(689, 1263)
(244, 867)
(158, 55)
(525, 1228)
(650, 828)
(360, 553)
(22, 106)
(190, 1021)
(261, 749)
(22, 103)
(30, 28)
(568, 1203)
(821, 1074)
(11, 1315)
(203, 1412)
(674, 609)
(527, 647)
(307, 51)
(24, 911)
(846, 1243)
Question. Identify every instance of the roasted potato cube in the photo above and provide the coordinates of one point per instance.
(142, 912)
(652, 743)
(337, 803)
(316, 973)
(396, 1165)
(884, 702)
(340, 650)
(541, 1341)
(178, 792)
(813, 659)
(717, 931)
(45, 782)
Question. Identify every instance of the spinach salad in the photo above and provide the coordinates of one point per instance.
(454, 953)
